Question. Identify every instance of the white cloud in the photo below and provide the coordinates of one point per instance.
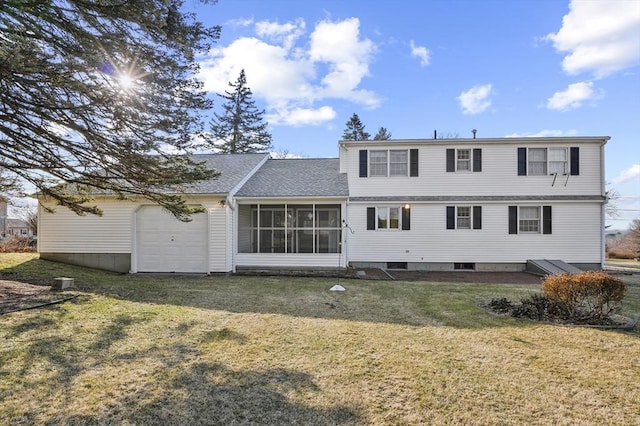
(599, 36)
(286, 34)
(476, 99)
(627, 175)
(421, 53)
(546, 133)
(292, 72)
(302, 116)
(573, 97)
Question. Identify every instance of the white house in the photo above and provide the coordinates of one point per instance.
(427, 204)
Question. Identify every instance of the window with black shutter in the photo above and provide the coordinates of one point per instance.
(477, 160)
(413, 162)
(574, 160)
(363, 162)
(522, 163)
(477, 217)
(546, 219)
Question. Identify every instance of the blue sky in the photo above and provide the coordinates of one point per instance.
(505, 68)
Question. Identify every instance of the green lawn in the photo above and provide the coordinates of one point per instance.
(272, 350)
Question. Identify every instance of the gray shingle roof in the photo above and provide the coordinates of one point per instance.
(316, 177)
(233, 168)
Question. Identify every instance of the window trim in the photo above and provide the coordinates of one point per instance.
(545, 220)
(291, 228)
(409, 165)
(571, 162)
(403, 218)
(474, 160)
(475, 217)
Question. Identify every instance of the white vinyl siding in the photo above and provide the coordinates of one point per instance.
(65, 232)
(498, 176)
(430, 241)
(113, 232)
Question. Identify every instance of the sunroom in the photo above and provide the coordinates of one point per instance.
(290, 235)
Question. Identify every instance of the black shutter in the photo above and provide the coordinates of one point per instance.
(406, 218)
(451, 217)
(451, 160)
(477, 217)
(522, 161)
(477, 160)
(575, 160)
(413, 162)
(371, 218)
(363, 162)
(513, 219)
(546, 219)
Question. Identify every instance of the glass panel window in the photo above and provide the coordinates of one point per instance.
(266, 218)
(327, 218)
(530, 220)
(398, 162)
(383, 218)
(388, 217)
(293, 228)
(558, 160)
(305, 241)
(537, 161)
(305, 218)
(463, 219)
(378, 163)
(463, 159)
(328, 241)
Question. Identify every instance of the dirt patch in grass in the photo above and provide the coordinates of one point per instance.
(15, 296)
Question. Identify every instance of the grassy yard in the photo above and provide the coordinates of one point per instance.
(269, 350)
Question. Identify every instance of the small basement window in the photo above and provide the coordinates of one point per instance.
(396, 265)
(464, 266)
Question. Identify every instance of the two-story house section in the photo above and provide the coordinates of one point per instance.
(475, 204)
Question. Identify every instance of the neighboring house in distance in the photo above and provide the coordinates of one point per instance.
(424, 204)
(12, 227)
(18, 227)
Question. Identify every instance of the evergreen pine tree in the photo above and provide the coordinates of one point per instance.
(355, 130)
(382, 135)
(241, 126)
(90, 89)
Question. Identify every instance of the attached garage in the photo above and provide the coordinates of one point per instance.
(165, 244)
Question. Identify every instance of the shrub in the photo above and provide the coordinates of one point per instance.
(17, 244)
(585, 295)
(621, 254)
(540, 307)
(501, 305)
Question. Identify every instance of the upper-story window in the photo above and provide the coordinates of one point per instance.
(378, 163)
(546, 161)
(398, 162)
(464, 160)
(388, 162)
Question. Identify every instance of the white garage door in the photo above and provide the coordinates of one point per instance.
(164, 244)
